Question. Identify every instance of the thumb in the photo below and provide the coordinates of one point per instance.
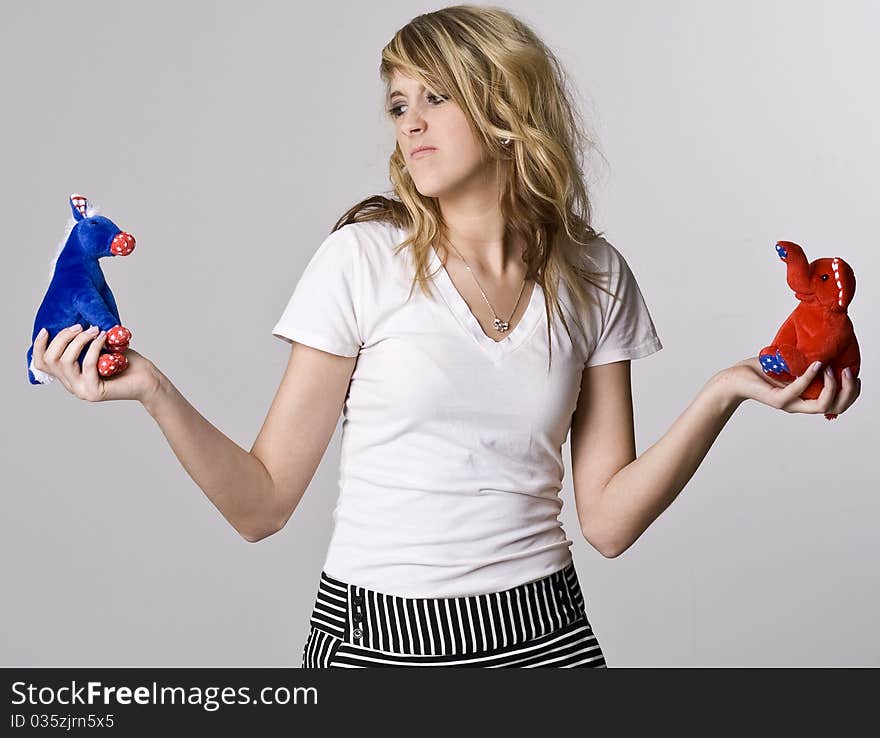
(800, 383)
(803, 381)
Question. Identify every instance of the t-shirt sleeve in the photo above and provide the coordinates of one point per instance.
(322, 312)
(627, 330)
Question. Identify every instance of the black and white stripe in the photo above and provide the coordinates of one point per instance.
(540, 623)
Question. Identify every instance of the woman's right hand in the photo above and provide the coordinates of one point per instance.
(138, 381)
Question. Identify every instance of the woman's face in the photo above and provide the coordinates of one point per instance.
(425, 117)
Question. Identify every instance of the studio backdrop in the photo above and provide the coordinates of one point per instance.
(229, 137)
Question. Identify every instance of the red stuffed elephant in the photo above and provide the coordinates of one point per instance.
(819, 328)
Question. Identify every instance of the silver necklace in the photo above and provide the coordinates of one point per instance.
(500, 325)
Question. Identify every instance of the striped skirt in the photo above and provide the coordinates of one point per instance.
(540, 623)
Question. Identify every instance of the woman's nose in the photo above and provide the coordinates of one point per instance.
(413, 120)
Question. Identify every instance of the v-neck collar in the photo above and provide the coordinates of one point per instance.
(459, 307)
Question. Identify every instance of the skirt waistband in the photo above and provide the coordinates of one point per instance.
(443, 625)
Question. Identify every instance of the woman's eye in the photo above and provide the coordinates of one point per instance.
(395, 114)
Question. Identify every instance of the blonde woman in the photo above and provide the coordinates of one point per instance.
(464, 326)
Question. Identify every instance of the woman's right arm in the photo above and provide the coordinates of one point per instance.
(257, 490)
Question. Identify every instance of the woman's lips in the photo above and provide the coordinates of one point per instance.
(422, 152)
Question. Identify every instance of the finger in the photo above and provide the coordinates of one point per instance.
(53, 352)
(40, 341)
(857, 387)
(823, 403)
(59, 343)
(849, 392)
(792, 401)
(93, 380)
(75, 347)
(826, 398)
(69, 356)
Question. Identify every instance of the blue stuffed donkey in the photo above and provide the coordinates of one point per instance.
(78, 292)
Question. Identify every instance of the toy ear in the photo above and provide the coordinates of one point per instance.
(78, 204)
(846, 281)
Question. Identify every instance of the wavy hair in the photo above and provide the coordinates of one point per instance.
(509, 84)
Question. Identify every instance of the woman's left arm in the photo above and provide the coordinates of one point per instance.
(640, 491)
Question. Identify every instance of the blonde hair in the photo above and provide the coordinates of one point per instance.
(509, 84)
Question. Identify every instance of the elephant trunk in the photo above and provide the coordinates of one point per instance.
(797, 272)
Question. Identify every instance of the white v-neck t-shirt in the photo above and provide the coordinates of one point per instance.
(451, 461)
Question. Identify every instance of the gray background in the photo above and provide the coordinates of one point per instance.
(229, 137)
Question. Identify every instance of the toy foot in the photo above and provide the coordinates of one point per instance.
(830, 416)
(774, 363)
(110, 364)
(117, 339)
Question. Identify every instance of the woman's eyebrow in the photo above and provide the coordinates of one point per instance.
(398, 92)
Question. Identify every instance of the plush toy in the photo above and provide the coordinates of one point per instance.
(78, 292)
(818, 329)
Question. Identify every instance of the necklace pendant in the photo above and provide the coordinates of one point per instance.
(501, 325)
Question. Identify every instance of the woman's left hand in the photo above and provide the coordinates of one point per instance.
(746, 380)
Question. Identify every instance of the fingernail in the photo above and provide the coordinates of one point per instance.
(42, 332)
(847, 373)
(74, 327)
(817, 365)
(92, 329)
